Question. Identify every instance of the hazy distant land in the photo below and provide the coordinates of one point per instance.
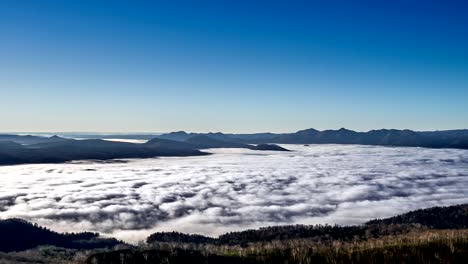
(23, 149)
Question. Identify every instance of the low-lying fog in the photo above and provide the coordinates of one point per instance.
(234, 189)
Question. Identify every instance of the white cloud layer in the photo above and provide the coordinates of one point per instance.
(234, 189)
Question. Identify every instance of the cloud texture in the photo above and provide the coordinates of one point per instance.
(234, 189)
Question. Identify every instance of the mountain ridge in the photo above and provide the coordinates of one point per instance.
(382, 137)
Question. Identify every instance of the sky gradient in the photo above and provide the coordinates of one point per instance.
(236, 66)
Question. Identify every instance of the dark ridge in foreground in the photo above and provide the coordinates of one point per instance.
(18, 234)
(451, 217)
(407, 238)
(415, 237)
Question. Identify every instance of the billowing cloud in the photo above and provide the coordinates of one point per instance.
(234, 189)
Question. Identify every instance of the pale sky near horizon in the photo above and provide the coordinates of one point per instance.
(240, 66)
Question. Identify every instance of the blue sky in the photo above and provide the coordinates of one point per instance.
(233, 66)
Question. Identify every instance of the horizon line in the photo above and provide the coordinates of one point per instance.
(205, 132)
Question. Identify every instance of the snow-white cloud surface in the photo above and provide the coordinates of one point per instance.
(234, 189)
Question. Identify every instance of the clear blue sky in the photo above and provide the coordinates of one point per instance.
(232, 66)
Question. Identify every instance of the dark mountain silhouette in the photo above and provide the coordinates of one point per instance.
(17, 235)
(169, 144)
(256, 138)
(17, 149)
(206, 141)
(10, 145)
(272, 147)
(57, 150)
(177, 136)
(28, 139)
(138, 136)
(300, 137)
(447, 133)
(8, 153)
(92, 149)
(383, 137)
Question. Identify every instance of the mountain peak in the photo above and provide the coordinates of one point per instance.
(181, 132)
(345, 130)
(309, 130)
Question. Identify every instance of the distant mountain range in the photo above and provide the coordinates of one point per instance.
(55, 150)
(21, 149)
(206, 142)
(16, 149)
(383, 137)
(29, 139)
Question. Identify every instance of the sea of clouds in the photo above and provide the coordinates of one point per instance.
(234, 189)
